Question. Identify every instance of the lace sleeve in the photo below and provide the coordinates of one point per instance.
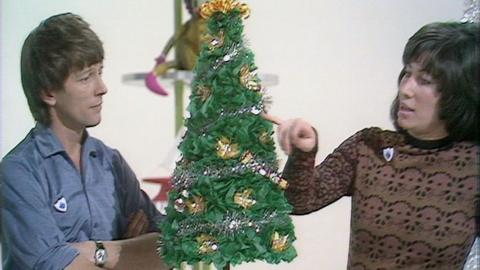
(314, 187)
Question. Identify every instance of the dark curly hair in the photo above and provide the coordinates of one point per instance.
(450, 53)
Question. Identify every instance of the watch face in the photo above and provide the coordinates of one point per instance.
(100, 255)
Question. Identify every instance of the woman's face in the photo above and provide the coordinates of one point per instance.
(418, 111)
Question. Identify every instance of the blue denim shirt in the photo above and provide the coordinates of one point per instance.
(47, 203)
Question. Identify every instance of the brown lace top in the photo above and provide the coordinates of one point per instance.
(413, 204)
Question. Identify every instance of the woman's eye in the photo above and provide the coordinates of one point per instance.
(424, 81)
(405, 76)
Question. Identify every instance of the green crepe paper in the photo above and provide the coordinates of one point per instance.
(205, 127)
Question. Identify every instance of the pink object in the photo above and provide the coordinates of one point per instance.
(151, 78)
(160, 59)
(152, 84)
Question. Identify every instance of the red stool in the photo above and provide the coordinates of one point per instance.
(161, 199)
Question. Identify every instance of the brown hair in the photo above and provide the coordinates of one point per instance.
(60, 45)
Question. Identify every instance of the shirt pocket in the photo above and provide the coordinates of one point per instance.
(71, 214)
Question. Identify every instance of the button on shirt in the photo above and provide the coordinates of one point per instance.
(48, 203)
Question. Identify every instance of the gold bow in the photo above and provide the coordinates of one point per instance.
(247, 79)
(209, 8)
(203, 92)
(207, 243)
(196, 205)
(279, 243)
(227, 150)
(244, 199)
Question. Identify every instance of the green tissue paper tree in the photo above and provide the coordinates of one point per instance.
(227, 204)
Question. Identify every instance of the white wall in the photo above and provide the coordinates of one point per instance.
(337, 61)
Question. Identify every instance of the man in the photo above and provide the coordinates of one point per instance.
(68, 200)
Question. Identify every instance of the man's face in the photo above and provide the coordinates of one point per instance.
(79, 104)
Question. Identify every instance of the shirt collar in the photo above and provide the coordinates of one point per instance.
(89, 146)
(48, 143)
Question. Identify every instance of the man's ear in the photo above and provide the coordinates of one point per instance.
(48, 96)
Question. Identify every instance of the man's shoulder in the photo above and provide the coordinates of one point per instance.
(23, 159)
(25, 150)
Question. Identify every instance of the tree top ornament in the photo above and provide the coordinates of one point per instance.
(223, 6)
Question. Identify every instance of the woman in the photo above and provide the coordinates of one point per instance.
(414, 190)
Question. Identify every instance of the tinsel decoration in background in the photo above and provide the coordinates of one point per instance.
(227, 204)
(472, 15)
(472, 11)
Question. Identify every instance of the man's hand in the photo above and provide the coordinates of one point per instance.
(134, 253)
(138, 224)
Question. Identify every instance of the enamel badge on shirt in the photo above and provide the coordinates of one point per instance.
(61, 205)
(388, 153)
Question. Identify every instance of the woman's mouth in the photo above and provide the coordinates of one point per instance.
(404, 110)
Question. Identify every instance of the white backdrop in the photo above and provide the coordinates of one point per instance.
(337, 61)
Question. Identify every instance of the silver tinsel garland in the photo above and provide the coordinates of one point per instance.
(232, 54)
(184, 176)
(472, 11)
(231, 224)
(253, 109)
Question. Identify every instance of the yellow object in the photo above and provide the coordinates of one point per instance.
(247, 157)
(215, 42)
(279, 243)
(187, 42)
(283, 184)
(203, 92)
(265, 137)
(227, 150)
(223, 6)
(196, 205)
(207, 243)
(247, 79)
(244, 198)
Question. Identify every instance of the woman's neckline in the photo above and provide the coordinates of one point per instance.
(427, 144)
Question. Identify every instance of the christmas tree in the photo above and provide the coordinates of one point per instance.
(227, 204)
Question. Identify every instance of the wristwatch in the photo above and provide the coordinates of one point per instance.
(100, 254)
